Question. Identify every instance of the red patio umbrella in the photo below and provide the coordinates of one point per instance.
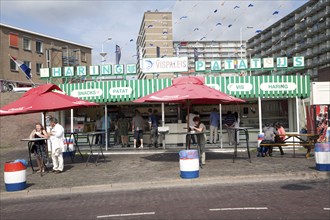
(46, 97)
(189, 90)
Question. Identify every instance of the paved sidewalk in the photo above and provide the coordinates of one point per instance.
(147, 168)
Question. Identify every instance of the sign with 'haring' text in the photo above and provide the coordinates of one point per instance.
(83, 71)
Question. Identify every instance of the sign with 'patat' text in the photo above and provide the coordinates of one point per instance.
(252, 64)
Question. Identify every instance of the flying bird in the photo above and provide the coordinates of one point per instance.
(184, 17)
(236, 7)
(196, 29)
(131, 40)
(218, 24)
(165, 32)
(250, 5)
(150, 25)
(230, 25)
(202, 38)
(275, 12)
(258, 31)
(216, 10)
(151, 44)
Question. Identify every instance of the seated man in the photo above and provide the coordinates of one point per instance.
(269, 138)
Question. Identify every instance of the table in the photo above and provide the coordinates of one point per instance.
(162, 131)
(306, 140)
(69, 135)
(188, 137)
(188, 140)
(90, 139)
(31, 141)
(246, 132)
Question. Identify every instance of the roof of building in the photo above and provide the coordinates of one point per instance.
(43, 35)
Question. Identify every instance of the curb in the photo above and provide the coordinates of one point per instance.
(163, 184)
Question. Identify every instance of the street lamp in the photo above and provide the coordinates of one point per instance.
(103, 54)
(250, 51)
(241, 40)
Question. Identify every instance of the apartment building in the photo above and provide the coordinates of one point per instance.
(36, 51)
(208, 51)
(155, 39)
(303, 32)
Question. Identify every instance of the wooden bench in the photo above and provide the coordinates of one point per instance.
(309, 146)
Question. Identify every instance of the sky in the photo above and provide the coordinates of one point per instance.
(92, 22)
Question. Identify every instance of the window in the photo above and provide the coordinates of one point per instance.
(26, 43)
(27, 63)
(83, 57)
(39, 46)
(38, 67)
(13, 40)
(13, 66)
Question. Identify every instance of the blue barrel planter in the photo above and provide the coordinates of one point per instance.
(189, 164)
(15, 176)
(322, 156)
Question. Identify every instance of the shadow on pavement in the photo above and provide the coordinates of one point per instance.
(162, 157)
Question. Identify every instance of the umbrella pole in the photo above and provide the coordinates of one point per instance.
(260, 116)
(163, 115)
(188, 119)
(106, 126)
(71, 120)
(220, 122)
(45, 127)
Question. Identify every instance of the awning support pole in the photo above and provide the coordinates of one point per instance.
(260, 115)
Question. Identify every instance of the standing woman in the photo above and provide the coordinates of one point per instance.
(200, 127)
(39, 147)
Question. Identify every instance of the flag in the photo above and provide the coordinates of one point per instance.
(118, 54)
(195, 54)
(23, 67)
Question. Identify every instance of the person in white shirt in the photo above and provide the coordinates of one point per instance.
(56, 136)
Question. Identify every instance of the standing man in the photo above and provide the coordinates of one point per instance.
(98, 127)
(153, 126)
(230, 123)
(137, 128)
(237, 121)
(123, 128)
(214, 123)
(56, 137)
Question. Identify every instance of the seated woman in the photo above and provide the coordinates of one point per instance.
(39, 147)
(281, 135)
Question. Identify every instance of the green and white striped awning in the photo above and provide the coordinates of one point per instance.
(241, 87)
(262, 86)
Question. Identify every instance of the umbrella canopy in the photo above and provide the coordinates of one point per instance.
(46, 97)
(189, 90)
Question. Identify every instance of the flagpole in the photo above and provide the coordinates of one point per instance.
(22, 70)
